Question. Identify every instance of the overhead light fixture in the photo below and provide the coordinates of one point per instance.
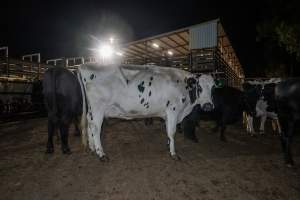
(155, 45)
(170, 53)
(105, 51)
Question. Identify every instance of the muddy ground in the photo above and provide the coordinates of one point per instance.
(140, 168)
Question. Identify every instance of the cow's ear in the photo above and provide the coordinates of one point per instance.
(191, 82)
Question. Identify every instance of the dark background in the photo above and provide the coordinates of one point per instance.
(65, 28)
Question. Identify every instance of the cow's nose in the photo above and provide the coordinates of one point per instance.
(207, 107)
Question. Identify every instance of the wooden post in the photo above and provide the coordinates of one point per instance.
(39, 71)
(7, 66)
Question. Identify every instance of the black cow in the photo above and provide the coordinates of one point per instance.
(287, 96)
(229, 106)
(63, 100)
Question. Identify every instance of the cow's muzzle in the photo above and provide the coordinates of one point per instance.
(207, 107)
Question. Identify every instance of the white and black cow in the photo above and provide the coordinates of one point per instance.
(63, 100)
(260, 102)
(132, 91)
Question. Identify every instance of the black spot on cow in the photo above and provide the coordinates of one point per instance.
(84, 80)
(141, 87)
(127, 81)
(147, 106)
(92, 76)
(150, 83)
(193, 95)
(151, 78)
(174, 108)
(168, 103)
(92, 134)
(91, 116)
(191, 82)
(142, 101)
(177, 81)
(139, 96)
(183, 100)
(149, 93)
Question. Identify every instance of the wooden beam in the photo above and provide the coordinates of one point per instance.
(147, 52)
(178, 45)
(180, 52)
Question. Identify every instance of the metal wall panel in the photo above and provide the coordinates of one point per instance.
(203, 35)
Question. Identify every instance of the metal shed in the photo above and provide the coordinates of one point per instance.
(200, 48)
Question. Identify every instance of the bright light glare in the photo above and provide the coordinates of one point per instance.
(111, 40)
(119, 53)
(170, 53)
(106, 51)
(155, 45)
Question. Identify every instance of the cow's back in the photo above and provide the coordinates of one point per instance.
(287, 94)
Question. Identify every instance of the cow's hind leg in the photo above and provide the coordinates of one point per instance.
(51, 129)
(262, 124)
(286, 140)
(171, 130)
(64, 134)
(96, 134)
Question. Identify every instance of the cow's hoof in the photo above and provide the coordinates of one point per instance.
(104, 158)
(66, 151)
(175, 157)
(49, 151)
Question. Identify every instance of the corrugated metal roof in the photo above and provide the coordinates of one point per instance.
(203, 36)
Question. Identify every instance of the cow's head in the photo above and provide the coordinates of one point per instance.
(200, 91)
(252, 93)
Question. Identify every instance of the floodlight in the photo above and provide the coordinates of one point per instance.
(155, 45)
(111, 40)
(105, 51)
(170, 53)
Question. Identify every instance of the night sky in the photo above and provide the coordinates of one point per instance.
(60, 28)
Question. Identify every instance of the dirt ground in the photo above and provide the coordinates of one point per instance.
(140, 167)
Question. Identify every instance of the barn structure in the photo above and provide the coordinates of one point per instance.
(200, 48)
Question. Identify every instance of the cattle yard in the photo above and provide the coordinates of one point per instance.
(245, 167)
(140, 167)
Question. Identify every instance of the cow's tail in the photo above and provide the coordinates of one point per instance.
(49, 87)
(83, 122)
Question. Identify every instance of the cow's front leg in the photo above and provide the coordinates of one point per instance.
(171, 130)
(96, 134)
(262, 124)
(250, 125)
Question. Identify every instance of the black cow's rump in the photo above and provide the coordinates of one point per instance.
(63, 100)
